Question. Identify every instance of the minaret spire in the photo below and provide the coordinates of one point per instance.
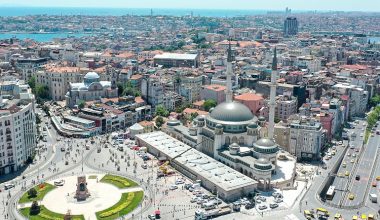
(272, 101)
(230, 59)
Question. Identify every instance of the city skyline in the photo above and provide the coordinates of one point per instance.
(321, 5)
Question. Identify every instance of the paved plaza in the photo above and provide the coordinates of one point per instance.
(103, 196)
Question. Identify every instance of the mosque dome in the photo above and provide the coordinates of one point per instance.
(263, 164)
(266, 146)
(173, 122)
(91, 77)
(232, 112)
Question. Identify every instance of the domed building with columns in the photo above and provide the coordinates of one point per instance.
(91, 89)
(231, 134)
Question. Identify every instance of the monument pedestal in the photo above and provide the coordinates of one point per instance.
(82, 193)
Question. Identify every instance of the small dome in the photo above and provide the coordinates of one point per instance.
(232, 112)
(91, 75)
(265, 142)
(261, 118)
(252, 125)
(173, 122)
(234, 145)
(263, 164)
(265, 146)
(200, 118)
(211, 109)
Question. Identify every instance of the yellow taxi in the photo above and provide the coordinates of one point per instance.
(378, 178)
(346, 173)
(344, 164)
(351, 196)
(355, 217)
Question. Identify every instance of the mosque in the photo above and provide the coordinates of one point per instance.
(91, 89)
(231, 134)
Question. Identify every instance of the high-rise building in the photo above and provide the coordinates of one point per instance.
(17, 126)
(290, 26)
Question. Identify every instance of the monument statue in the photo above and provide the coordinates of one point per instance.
(82, 191)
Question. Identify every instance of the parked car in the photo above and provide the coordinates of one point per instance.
(249, 206)
(179, 181)
(173, 187)
(273, 205)
(278, 200)
(262, 207)
(144, 166)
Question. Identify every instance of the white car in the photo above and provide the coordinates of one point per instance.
(179, 181)
(278, 200)
(59, 183)
(262, 207)
(173, 187)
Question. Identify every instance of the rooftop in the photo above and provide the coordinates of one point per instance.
(176, 56)
(219, 174)
(249, 97)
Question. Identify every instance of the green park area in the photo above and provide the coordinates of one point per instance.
(127, 203)
(118, 181)
(45, 214)
(36, 193)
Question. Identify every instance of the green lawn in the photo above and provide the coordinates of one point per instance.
(127, 203)
(118, 181)
(41, 192)
(92, 177)
(46, 214)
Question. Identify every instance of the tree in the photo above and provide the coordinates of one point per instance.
(193, 115)
(32, 193)
(32, 83)
(161, 111)
(81, 104)
(34, 209)
(120, 89)
(209, 103)
(375, 100)
(42, 91)
(159, 121)
(276, 120)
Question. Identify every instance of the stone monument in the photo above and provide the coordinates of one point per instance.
(82, 192)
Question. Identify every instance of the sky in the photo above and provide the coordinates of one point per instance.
(341, 5)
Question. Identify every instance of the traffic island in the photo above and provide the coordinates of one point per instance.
(127, 203)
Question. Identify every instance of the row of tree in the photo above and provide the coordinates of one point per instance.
(40, 91)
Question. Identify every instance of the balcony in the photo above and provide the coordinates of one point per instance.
(8, 139)
(10, 154)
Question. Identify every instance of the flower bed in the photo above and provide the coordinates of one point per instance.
(118, 181)
(127, 203)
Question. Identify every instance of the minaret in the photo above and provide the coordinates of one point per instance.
(272, 101)
(230, 58)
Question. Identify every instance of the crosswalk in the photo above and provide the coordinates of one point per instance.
(291, 217)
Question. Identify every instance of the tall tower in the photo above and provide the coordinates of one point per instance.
(230, 58)
(272, 101)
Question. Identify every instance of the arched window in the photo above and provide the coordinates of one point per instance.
(227, 141)
(241, 140)
(234, 139)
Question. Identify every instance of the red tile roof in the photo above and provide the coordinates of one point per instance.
(249, 97)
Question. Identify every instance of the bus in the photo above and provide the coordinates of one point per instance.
(330, 193)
